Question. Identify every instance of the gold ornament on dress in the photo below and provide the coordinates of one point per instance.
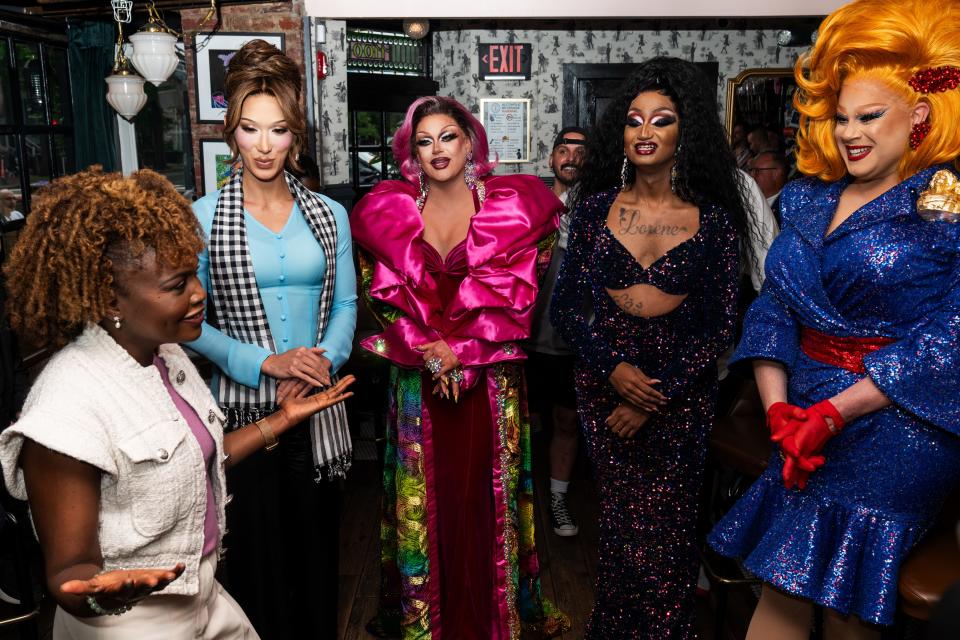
(941, 199)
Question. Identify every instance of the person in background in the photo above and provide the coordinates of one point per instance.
(740, 146)
(279, 268)
(760, 140)
(770, 170)
(853, 340)
(550, 362)
(655, 240)
(449, 259)
(8, 206)
(120, 447)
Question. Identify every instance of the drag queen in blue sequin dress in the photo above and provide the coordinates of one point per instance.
(658, 256)
(855, 334)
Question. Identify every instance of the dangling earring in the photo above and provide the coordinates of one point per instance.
(472, 180)
(116, 321)
(623, 173)
(674, 179)
(470, 172)
(918, 133)
(424, 187)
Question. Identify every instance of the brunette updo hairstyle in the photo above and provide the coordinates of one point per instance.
(260, 68)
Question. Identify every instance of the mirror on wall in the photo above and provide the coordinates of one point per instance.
(762, 99)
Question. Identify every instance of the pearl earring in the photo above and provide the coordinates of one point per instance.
(116, 321)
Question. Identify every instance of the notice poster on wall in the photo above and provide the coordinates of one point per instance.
(507, 122)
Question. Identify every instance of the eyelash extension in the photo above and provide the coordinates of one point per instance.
(632, 122)
(868, 117)
(865, 118)
(665, 121)
(448, 137)
(423, 142)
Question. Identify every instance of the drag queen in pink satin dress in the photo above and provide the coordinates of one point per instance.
(449, 265)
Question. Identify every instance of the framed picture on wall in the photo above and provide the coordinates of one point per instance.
(213, 53)
(215, 166)
(507, 121)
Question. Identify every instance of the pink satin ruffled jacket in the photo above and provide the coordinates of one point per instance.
(494, 305)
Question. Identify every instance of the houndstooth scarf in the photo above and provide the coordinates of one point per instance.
(238, 311)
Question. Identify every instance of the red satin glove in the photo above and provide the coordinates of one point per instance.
(814, 432)
(783, 419)
(796, 471)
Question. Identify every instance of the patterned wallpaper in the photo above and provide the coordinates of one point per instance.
(455, 66)
(332, 118)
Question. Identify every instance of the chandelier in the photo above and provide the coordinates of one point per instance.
(154, 56)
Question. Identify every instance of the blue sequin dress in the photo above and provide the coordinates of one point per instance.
(883, 272)
(648, 485)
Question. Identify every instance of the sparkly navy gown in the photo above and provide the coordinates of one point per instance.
(648, 485)
(884, 272)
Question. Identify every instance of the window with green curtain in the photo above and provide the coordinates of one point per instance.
(91, 53)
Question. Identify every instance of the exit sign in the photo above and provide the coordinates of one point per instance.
(505, 61)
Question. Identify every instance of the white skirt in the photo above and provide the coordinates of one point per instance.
(209, 615)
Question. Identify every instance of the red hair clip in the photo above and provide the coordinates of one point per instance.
(935, 79)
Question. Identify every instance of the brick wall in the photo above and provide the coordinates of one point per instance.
(281, 17)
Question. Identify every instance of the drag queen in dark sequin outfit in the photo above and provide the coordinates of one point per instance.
(657, 251)
(854, 337)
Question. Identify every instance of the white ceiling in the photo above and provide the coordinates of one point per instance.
(567, 8)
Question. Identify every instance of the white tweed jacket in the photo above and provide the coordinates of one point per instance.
(95, 403)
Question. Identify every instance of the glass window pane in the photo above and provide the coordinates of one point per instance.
(64, 160)
(6, 101)
(368, 170)
(394, 120)
(11, 200)
(38, 160)
(32, 92)
(163, 129)
(393, 171)
(58, 80)
(368, 128)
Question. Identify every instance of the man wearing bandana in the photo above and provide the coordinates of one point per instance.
(550, 363)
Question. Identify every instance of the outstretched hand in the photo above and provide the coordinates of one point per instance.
(298, 406)
(125, 586)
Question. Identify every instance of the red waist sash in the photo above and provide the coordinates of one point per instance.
(847, 352)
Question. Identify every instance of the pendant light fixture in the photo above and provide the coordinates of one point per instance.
(124, 87)
(154, 51)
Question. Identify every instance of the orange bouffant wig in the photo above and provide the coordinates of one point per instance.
(83, 229)
(260, 68)
(889, 41)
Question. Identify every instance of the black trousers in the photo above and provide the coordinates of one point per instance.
(283, 542)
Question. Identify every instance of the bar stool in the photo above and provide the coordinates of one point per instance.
(739, 441)
(932, 566)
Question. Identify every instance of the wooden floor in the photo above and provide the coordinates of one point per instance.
(568, 565)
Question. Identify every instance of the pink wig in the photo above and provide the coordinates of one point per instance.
(403, 147)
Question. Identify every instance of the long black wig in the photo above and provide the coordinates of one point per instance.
(706, 167)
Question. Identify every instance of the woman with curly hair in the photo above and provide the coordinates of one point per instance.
(854, 338)
(654, 244)
(279, 268)
(120, 447)
(449, 260)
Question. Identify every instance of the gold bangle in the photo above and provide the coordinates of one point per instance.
(269, 437)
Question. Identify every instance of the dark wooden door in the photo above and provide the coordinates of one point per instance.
(589, 88)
